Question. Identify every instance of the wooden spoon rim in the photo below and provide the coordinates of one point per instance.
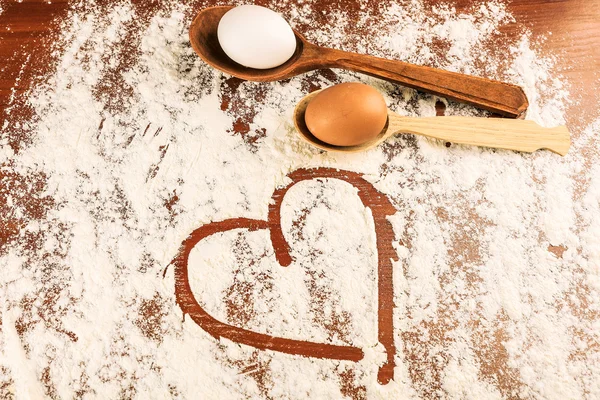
(211, 52)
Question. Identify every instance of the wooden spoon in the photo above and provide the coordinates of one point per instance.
(498, 97)
(500, 133)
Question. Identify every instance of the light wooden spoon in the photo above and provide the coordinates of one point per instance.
(498, 97)
(500, 133)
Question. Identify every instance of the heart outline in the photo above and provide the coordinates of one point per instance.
(380, 207)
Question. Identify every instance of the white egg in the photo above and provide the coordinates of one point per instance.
(256, 37)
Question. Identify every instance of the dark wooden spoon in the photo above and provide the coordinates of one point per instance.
(502, 98)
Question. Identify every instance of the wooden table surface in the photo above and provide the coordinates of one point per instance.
(28, 29)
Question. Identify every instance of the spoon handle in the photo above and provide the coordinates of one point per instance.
(501, 133)
(498, 97)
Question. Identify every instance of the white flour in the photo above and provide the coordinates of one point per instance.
(133, 150)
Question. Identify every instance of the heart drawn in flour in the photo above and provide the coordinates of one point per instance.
(380, 207)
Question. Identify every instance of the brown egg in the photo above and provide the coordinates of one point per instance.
(347, 114)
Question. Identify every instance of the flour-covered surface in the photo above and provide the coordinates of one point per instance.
(134, 142)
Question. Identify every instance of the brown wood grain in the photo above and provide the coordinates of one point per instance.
(28, 30)
(569, 30)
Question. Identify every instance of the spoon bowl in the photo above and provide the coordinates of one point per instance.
(204, 40)
(303, 131)
(498, 97)
(501, 133)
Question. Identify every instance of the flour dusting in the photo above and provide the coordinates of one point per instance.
(136, 143)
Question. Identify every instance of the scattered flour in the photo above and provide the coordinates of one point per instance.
(497, 279)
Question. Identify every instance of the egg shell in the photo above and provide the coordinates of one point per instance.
(348, 114)
(256, 37)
